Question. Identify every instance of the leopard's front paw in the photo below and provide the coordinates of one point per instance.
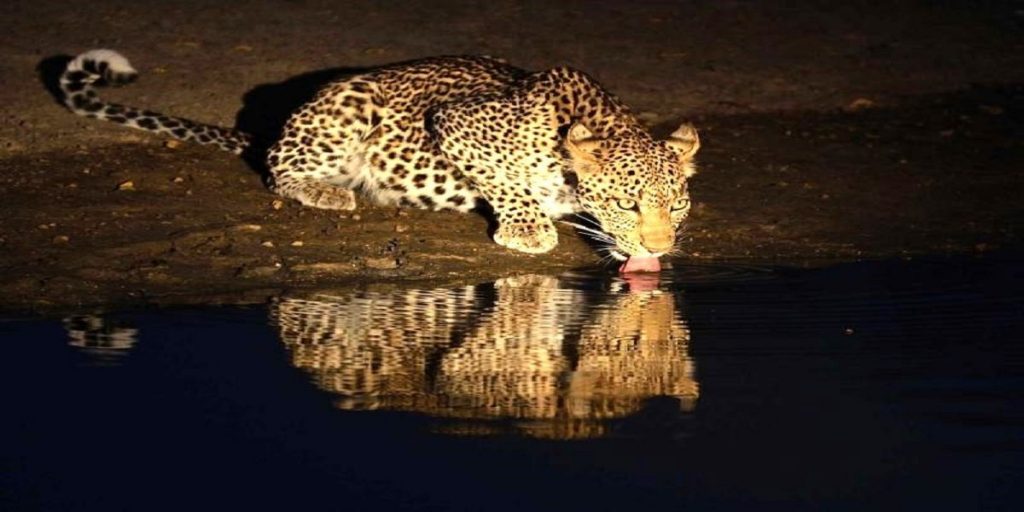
(529, 238)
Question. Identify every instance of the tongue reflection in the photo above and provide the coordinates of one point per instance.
(641, 264)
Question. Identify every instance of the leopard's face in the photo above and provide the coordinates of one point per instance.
(636, 188)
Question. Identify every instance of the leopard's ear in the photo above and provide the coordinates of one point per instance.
(583, 147)
(684, 142)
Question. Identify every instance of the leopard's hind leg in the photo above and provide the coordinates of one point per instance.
(315, 193)
(320, 158)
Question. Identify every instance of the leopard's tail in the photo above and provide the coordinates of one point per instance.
(97, 68)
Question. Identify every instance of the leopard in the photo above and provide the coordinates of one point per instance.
(457, 133)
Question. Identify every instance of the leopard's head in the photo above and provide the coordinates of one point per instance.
(634, 186)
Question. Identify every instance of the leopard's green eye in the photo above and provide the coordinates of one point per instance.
(626, 204)
(681, 204)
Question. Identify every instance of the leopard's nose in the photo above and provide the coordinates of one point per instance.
(656, 233)
(658, 249)
(659, 243)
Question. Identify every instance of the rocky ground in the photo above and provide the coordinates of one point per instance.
(830, 132)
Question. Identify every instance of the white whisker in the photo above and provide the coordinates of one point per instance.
(593, 222)
(591, 232)
(607, 259)
(597, 235)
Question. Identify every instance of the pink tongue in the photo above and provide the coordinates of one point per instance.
(640, 264)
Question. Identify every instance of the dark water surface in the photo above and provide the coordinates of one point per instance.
(868, 386)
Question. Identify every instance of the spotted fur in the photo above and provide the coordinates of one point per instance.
(449, 133)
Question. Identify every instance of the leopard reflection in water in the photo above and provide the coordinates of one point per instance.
(533, 355)
(107, 342)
